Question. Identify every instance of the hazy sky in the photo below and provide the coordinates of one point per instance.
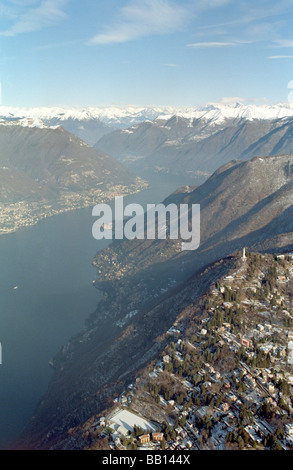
(145, 52)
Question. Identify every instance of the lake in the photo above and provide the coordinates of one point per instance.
(50, 264)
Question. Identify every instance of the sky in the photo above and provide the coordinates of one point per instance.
(145, 52)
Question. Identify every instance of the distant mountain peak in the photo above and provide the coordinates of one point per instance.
(128, 115)
(218, 113)
(26, 122)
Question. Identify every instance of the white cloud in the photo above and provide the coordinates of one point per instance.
(280, 57)
(230, 100)
(234, 100)
(142, 18)
(212, 44)
(260, 10)
(284, 42)
(32, 15)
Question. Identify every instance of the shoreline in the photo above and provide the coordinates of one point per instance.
(103, 198)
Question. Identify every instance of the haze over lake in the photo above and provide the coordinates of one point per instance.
(50, 264)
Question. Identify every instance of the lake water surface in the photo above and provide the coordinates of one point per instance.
(50, 263)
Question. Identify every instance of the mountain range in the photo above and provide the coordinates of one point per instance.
(91, 123)
(88, 123)
(194, 145)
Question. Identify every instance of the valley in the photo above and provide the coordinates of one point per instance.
(196, 143)
(145, 284)
(146, 229)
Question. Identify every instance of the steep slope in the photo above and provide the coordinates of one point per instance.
(88, 129)
(242, 204)
(44, 165)
(58, 158)
(147, 283)
(197, 146)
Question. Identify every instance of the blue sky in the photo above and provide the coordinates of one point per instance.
(145, 52)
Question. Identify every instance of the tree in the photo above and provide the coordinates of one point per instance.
(240, 443)
(277, 446)
(182, 421)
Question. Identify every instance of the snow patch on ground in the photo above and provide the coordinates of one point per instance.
(124, 421)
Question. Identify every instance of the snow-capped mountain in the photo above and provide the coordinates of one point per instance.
(26, 122)
(91, 123)
(116, 116)
(218, 113)
(196, 142)
(124, 116)
(88, 123)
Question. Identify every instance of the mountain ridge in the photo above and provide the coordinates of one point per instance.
(91, 123)
(45, 170)
(113, 113)
(196, 148)
(146, 283)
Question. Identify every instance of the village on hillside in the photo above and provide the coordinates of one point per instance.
(25, 213)
(225, 379)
